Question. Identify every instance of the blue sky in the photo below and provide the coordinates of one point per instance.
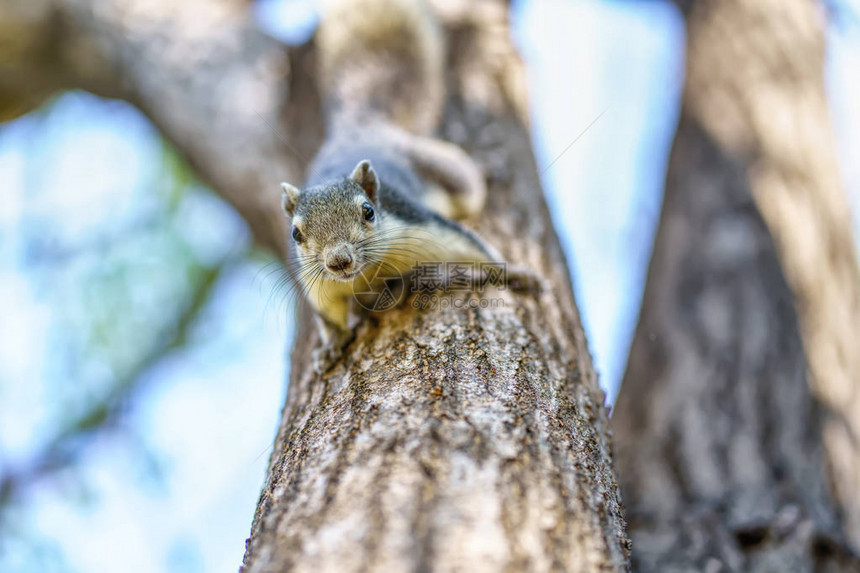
(175, 489)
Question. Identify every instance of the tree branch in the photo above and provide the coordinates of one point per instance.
(240, 107)
(454, 438)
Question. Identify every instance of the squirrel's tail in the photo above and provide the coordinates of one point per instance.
(382, 59)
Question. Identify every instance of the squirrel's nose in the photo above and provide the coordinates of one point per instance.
(339, 261)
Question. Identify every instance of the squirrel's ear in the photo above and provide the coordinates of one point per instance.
(290, 198)
(365, 176)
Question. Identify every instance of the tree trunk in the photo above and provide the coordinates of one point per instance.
(446, 439)
(454, 439)
(733, 453)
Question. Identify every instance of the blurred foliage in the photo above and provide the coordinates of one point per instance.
(123, 263)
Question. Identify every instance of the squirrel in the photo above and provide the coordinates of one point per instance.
(382, 194)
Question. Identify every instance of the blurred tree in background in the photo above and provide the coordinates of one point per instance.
(120, 266)
(738, 423)
(128, 290)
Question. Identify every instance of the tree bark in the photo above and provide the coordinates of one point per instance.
(446, 439)
(734, 452)
(454, 439)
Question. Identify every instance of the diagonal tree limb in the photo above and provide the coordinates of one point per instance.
(210, 81)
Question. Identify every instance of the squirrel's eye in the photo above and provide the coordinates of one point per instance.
(297, 235)
(367, 210)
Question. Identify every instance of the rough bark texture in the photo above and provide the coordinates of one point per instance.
(454, 439)
(732, 452)
(447, 439)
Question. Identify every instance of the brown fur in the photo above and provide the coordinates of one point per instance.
(383, 58)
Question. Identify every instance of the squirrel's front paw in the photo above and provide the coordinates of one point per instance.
(523, 280)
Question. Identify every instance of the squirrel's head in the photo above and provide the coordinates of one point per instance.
(334, 224)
